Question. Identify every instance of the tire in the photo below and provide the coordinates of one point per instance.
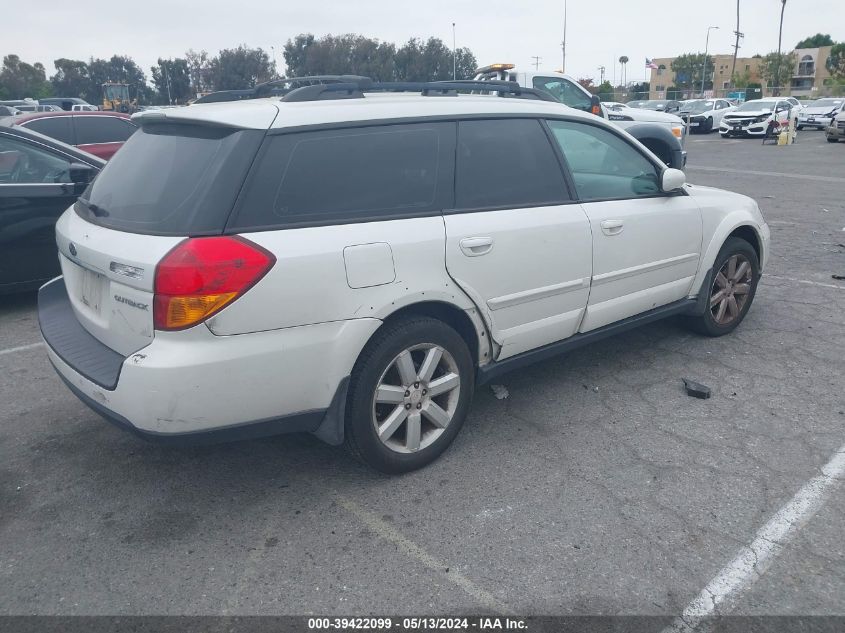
(724, 135)
(799, 127)
(717, 320)
(416, 427)
(832, 139)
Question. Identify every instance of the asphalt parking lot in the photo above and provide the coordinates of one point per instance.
(596, 487)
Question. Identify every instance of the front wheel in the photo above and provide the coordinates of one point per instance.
(409, 395)
(832, 139)
(732, 290)
(723, 135)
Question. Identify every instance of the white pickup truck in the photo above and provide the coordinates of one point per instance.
(644, 125)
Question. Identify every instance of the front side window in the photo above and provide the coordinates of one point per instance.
(506, 163)
(564, 91)
(57, 127)
(348, 175)
(603, 165)
(102, 129)
(25, 164)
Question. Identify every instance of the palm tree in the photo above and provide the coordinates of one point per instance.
(624, 60)
(780, 39)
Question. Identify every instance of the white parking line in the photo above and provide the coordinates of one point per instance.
(753, 560)
(391, 534)
(803, 281)
(22, 348)
(774, 174)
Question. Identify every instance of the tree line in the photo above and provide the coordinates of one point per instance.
(177, 80)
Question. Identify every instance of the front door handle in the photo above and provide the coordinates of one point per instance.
(476, 246)
(612, 227)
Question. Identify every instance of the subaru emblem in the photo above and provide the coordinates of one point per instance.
(72, 249)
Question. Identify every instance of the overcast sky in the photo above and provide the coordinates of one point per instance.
(598, 32)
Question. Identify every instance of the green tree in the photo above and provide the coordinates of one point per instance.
(71, 79)
(339, 55)
(819, 39)
(777, 69)
(199, 69)
(117, 69)
(295, 53)
(688, 69)
(605, 91)
(172, 80)
(835, 63)
(639, 91)
(741, 80)
(19, 80)
(587, 83)
(239, 68)
(432, 61)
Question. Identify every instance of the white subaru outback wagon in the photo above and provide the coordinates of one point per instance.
(354, 263)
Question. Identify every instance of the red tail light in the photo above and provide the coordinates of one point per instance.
(201, 276)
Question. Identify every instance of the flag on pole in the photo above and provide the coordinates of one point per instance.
(650, 64)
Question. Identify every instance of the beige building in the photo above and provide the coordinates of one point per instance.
(808, 79)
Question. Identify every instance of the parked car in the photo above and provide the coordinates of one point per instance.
(37, 107)
(8, 111)
(705, 115)
(818, 114)
(752, 118)
(354, 267)
(69, 104)
(836, 130)
(670, 106)
(564, 89)
(39, 178)
(99, 133)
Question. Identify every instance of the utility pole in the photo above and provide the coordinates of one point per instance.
(563, 44)
(454, 55)
(706, 48)
(536, 59)
(167, 82)
(776, 92)
(601, 70)
(275, 72)
(736, 47)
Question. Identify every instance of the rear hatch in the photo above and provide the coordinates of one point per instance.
(174, 178)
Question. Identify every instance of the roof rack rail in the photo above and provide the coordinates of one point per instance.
(356, 89)
(279, 87)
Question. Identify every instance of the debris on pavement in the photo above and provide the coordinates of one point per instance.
(696, 389)
(500, 391)
(838, 276)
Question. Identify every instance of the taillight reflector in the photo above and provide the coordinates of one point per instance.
(201, 276)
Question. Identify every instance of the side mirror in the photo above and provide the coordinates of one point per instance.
(81, 174)
(672, 180)
(595, 105)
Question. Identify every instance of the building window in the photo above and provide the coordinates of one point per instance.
(748, 67)
(660, 88)
(807, 66)
(660, 69)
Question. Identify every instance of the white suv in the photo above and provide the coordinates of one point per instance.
(354, 267)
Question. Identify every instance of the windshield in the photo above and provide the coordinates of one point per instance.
(697, 107)
(749, 106)
(171, 179)
(116, 92)
(826, 103)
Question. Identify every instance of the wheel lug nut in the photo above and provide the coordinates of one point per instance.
(425, 391)
(419, 405)
(408, 406)
(407, 393)
(416, 385)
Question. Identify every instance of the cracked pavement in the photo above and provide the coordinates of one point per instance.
(596, 487)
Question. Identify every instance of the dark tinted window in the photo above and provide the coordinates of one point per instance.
(506, 163)
(564, 91)
(22, 163)
(57, 127)
(172, 180)
(102, 129)
(348, 175)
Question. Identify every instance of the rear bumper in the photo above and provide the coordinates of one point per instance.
(196, 387)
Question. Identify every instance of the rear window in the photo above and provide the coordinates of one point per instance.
(172, 180)
(102, 129)
(349, 175)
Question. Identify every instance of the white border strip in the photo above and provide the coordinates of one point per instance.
(753, 560)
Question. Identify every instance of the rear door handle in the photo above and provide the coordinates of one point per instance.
(476, 246)
(612, 227)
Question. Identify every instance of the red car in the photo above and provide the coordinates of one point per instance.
(98, 133)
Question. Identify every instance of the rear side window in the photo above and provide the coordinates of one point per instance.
(505, 164)
(57, 127)
(172, 179)
(102, 129)
(349, 175)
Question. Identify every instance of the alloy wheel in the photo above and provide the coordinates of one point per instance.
(731, 289)
(416, 398)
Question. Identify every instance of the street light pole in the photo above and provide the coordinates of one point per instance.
(454, 55)
(706, 48)
(563, 44)
(601, 70)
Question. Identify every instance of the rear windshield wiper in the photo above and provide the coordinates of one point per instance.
(93, 208)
